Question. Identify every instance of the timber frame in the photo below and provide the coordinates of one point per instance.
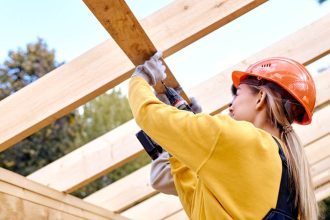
(44, 193)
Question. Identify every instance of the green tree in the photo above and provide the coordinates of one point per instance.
(102, 114)
(21, 68)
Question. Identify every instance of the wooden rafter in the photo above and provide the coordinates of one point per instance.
(80, 167)
(125, 192)
(160, 205)
(105, 66)
(17, 194)
(117, 18)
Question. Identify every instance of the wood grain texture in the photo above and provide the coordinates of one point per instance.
(117, 18)
(125, 192)
(157, 207)
(16, 190)
(322, 192)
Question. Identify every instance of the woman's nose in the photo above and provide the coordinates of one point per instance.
(230, 107)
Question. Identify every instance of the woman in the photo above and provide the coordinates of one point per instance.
(249, 165)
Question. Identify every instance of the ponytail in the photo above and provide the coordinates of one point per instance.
(298, 166)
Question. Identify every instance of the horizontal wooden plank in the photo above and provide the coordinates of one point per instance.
(78, 168)
(180, 215)
(73, 170)
(125, 192)
(17, 208)
(318, 126)
(318, 150)
(323, 88)
(323, 192)
(157, 207)
(321, 172)
(27, 190)
(105, 66)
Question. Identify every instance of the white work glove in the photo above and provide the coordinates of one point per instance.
(152, 70)
(195, 107)
(161, 178)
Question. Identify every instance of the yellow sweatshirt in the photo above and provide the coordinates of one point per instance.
(222, 168)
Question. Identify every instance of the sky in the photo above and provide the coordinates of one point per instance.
(71, 29)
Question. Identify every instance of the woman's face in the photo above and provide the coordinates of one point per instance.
(243, 106)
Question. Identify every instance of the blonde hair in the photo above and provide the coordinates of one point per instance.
(298, 166)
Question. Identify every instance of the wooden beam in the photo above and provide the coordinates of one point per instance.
(157, 207)
(105, 66)
(17, 208)
(125, 192)
(117, 18)
(119, 21)
(17, 189)
(79, 167)
(318, 150)
(322, 192)
(180, 215)
(120, 145)
(321, 172)
(319, 126)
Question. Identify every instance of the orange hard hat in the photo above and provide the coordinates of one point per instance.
(288, 74)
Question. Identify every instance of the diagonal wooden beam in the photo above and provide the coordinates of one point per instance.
(321, 171)
(318, 150)
(179, 215)
(105, 66)
(124, 193)
(117, 18)
(160, 205)
(82, 167)
(322, 192)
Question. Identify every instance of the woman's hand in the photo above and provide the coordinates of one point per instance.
(152, 70)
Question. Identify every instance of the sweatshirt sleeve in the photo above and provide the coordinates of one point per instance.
(188, 137)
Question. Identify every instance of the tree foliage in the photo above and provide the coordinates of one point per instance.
(20, 69)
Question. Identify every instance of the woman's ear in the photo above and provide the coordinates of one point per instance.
(261, 101)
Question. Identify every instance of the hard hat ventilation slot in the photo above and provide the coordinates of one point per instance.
(266, 65)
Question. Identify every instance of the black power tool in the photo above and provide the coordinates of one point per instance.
(150, 146)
